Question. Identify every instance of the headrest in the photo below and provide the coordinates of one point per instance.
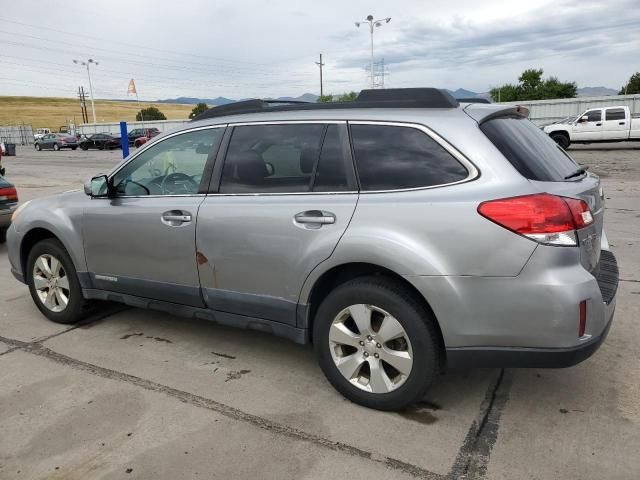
(250, 167)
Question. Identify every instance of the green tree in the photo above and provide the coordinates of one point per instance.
(632, 86)
(345, 97)
(531, 86)
(150, 113)
(348, 97)
(198, 109)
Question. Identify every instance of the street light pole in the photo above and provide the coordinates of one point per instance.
(372, 24)
(86, 64)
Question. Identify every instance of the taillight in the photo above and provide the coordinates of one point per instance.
(8, 193)
(542, 217)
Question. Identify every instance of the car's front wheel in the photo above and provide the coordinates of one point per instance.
(53, 283)
(376, 343)
(56, 147)
(561, 139)
(38, 147)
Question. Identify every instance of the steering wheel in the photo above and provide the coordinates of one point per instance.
(173, 179)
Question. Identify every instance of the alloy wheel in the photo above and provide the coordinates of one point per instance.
(51, 283)
(370, 348)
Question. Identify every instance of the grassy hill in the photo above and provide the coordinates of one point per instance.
(53, 112)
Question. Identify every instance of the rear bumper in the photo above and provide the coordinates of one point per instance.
(5, 217)
(505, 357)
(530, 320)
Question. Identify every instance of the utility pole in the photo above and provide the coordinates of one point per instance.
(87, 64)
(372, 24)
(320, 64)
(83, 105)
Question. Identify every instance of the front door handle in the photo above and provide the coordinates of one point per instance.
(598, 124)
(317, 217)
(621, 123)
(174, 218)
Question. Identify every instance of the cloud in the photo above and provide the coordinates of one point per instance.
(568, 28)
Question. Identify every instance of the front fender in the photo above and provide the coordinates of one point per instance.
(62, 216)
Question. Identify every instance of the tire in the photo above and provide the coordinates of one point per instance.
(56, 147)
(101, 146)
(561, 139)
(84, 147)
(76, 307)
(382, 300)
(73, 148)
(3, 235)
(38, 147)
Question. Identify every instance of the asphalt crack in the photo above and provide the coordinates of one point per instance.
(36, 348)
(473, 458)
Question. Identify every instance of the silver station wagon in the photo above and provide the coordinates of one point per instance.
(401, 234)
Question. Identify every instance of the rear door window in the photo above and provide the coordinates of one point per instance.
(397, 157)
(614, 114)
(334, 172)
(272, 158)
(531, 151)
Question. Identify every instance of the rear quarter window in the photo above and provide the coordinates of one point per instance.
(396, 157)
(531, 151)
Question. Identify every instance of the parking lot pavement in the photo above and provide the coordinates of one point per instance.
(169, 397)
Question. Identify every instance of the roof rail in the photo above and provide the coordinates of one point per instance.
(387, 98)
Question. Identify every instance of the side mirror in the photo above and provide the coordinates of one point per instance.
(98, 186)
(583, 118)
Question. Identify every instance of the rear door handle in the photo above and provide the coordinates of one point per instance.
(315, 217)
(598, 124)
(621, 123)
(174, 218)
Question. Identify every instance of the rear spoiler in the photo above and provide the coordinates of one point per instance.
(482, 113)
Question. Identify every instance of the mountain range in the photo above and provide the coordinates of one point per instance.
(310, 97)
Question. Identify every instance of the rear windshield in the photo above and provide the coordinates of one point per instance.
(531, 151)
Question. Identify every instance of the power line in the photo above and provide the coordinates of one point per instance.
(179, 64)
(110, 40)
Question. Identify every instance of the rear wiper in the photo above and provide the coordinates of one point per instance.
(577, 173)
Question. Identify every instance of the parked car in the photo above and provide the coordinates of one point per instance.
(101, 141)
(611, 124)
(56, 141)
(401, 233)
(8, 205)
(140, 136)
(41, 132)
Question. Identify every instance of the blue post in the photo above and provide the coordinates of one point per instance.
(124, 139)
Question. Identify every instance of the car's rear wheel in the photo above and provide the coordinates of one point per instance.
(53, 283)
(38, 147)
(561, 139)
(73, 148)
(56, 147)
(3, 235)
(376, 343)
(84, 147)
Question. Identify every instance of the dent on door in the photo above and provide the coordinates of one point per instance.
(253, 256)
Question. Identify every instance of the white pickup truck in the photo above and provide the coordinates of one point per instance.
(610, 124)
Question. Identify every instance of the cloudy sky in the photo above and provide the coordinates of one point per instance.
(263, 48)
